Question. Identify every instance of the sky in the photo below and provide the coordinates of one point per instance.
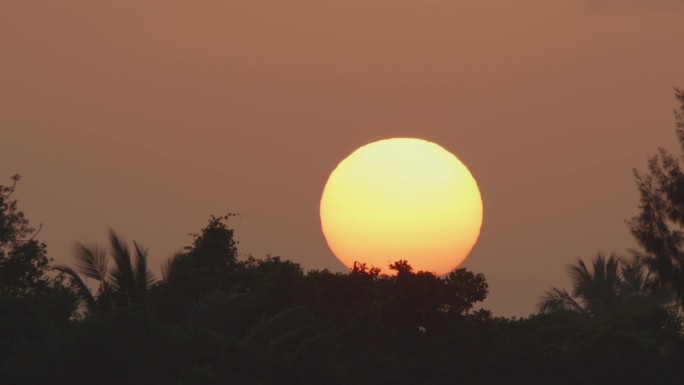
(148, 116)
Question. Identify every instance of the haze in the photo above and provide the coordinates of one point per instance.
(148, 116)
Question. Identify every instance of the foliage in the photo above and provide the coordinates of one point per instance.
(659, 224)
(266, 321)
(124, 285)
(215, 318)
(23, 261)
(610, 285)
(34, 302)
(215, 248)
(208, 265)
(596, 290)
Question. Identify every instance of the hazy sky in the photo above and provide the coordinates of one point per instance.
(147, 116)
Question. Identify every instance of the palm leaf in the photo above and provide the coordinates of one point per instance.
(143, 276)
(598, 289)
(91, 261)
(171, 267)
(82, 290)
(581, 279)
(556, 299)
(122, 276)
(633, 277)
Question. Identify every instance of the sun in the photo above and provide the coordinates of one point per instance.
(402, 198)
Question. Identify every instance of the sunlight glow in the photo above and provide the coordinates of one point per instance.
(402, 198)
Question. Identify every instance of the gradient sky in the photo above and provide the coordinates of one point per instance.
(147, 116)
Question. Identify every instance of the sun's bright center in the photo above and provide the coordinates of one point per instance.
(402, 199)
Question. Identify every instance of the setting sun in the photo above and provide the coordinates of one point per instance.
(402, 198)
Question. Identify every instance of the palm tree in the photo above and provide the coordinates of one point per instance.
(607, 286)
(124, 285)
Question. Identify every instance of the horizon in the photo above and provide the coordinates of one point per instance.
(148, 117)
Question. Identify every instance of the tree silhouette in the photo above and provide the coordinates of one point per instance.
(593, 291)
(209, 264)
(611, 284)
(659, 224)
(214, 247)
(124, 285)
(215, 318)
(464, 289)
(34, 302)
(23, 260)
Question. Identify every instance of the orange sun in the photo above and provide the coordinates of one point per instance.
(402, 198)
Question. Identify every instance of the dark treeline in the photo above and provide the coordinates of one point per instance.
(215, 318)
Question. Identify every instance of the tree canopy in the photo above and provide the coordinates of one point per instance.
(659, 224)
(216, 317)
(23, 259)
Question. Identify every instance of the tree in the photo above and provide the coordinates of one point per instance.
(593, 291)
(611, 284)
(659, 224)
(125, 285)
(215, 248)
(464, 289)
(34, 303)
(212, 253)
(209, 264)
(23, 261)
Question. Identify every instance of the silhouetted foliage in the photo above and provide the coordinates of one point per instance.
(215, 318)
(23, 260)
(209, 264)
(34, 302)
(215, 248)
(464, 289)
(658, 226)
(124, 285)
(611, 285)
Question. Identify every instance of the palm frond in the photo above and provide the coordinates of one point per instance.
(171, 267)
(581, 278)
(91, 261)
(123, 278)
(608, 280)
(556, 299)
(599, 288)
(84, 294)
(634, 277)
(143, 276)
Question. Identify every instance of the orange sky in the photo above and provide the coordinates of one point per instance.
(147, 116)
